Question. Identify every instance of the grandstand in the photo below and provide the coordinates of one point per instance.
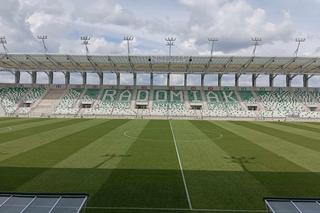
(184, 163)
(151, 101)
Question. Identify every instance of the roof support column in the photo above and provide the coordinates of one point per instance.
(220, 80)
(305, 81)
(236, 80)
(168, 80)
(17, 77)
(271, 80)
(185, 82)
(118, 79)
(134, 79)
(84, 78)
(151, 79)
(50, 78)
(34, 77)
(254, 80)
(288, 80)
(202, 79)
(67, 78)
(100, 78)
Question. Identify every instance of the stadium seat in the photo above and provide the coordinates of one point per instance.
(31, 97)
(10, 98)
(279, 104)
(68, 103)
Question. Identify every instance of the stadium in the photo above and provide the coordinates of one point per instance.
(148, 101)
(145, 147)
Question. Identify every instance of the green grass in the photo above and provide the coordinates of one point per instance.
(132, 165)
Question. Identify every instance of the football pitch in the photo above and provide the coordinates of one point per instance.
(160, 165)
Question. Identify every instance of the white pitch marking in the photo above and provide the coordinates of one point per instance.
(181, 169)
(174, 209)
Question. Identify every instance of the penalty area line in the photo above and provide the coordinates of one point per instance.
(181, 169)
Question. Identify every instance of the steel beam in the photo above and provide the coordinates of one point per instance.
(226, 65)
(288, 80)
(118, 79)
(151, 79)
(17, 77)
(305, 80)
(134, 79)
(34, 77)
(271, 79)
(185, 83)
(202, 79)
(100, 78)
(220, 79)
(67, 78)
(50, 78)
(254, 80)
(236, 79)
(84, 78)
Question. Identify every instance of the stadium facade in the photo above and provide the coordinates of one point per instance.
(150, 101)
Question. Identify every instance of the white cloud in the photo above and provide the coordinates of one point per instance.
(191, 21)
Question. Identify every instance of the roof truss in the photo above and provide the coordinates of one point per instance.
(175, 64)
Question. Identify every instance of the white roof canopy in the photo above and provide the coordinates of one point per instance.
(160, 64)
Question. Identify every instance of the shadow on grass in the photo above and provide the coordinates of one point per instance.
(163, 188)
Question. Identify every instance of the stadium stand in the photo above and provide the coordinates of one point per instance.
(170, 101)
(67, 105)
(279, 104)
(225, 103)
(28, 101)
(11, 97)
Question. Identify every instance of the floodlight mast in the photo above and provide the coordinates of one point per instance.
(128, 39)
(170, 42)
(256, 43)
(3, 41)
(43, 38)
(299, 41)
(212, 40)
(85, 41)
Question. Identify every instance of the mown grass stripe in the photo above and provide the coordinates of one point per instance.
(14, 135)
(277, 132)
(7, 118)
(51, 153)
(98, 158)
(15, 122)
(312, 125)
(107, 151)
(149, 176)
(289, 130)
(16, 147)
(14, 128)
(300, 126)
(217, 187)
(198, 152)
(241, 150)
(305, 159)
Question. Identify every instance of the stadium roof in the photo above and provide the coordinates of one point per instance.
(42, 203)
(160, 64)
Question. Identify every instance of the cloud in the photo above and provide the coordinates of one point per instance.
(234, 22)
(14, 27)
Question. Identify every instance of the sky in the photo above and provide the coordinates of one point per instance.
(191, 22)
